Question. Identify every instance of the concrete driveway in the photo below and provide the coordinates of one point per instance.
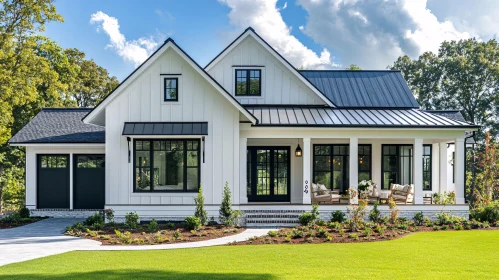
(40, 239)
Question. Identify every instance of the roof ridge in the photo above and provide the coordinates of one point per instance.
(346, 70)
(66, 108)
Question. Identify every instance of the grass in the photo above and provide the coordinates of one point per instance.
(425, 255)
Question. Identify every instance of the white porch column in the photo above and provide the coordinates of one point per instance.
(417, 170)
(354, 166)
(459, 170)
(243, 185)
(307, 179)
(443, 163)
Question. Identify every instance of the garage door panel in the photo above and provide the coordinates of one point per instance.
(89, 182)
(53, 181)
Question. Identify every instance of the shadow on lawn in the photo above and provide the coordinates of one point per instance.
(140, 274)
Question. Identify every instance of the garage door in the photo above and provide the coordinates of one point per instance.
(53, 181)
(89, 181)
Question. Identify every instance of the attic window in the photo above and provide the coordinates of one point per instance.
(248, 82)
(171, 89)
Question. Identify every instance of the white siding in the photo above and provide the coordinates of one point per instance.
(279, 85)
(198, 101)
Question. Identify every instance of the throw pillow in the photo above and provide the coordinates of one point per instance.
(322, 190)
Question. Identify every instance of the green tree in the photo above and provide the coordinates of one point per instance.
(463, 75)
(226, 213)
(353, 67)
(200, 212)
(487, 181)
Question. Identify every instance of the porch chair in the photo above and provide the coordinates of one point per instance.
(320, 193)
(402, 193)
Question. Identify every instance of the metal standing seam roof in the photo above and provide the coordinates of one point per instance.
(165, 128)
(59, 125)
(337, 117)
(363, 88)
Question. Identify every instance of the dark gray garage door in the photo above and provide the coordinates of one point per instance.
(53, 181)
(88, 181)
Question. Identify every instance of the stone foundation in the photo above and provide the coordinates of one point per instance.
(63, 213)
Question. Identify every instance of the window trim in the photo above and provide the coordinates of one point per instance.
(164, 89)
(370, 160)
(331, 170)
(247, 70)
(151, 156)
(430, 168)
(411, 163)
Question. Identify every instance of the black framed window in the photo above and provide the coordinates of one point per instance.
(248, 82)
(167, 165)
(330, 166)
(427, 164)
(171, 89)
(397, 165)
(365, 162)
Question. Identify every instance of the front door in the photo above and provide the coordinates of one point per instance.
(268, 174)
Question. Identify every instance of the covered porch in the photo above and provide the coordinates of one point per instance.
(273, 175)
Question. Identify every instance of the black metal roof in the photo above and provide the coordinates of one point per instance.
(364, 88)
(59, 125)
(306, 116)
(165, 128)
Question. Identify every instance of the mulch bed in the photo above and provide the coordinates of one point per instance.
(165, 234)
(7, 223)
(311, 236)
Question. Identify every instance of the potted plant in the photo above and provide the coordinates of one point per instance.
(365, 186)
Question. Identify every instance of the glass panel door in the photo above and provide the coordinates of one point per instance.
(268, 174)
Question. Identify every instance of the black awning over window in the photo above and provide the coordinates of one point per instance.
(165, 128)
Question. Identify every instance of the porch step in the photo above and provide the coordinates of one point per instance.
(272, 218)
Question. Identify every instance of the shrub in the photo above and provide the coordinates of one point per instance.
(353, 236)
(310, 239)
(435, 228)
(306, 219)
(170, 225)
(488, 213)
(315, 212)
(287, 239)
(109, 215)
(153, 225)
(419, 219)
(24, 213)
(272, 233)
(131, 220)
(321, 232)
(357, 213)
(296, 233)
(394, 212)
(320, 222)
(329, 238)
(458, 227)
(177, 234)
(123, 237)
(380, 229)
(446, 219)
(338, 216)
(192, 223)
(367, 232)
(226, 212)
(444, 227)
(334, 225)
(375, 214)
(200, 212)
(96, 218)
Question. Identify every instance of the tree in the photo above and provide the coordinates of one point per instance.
(226, 213)
(487, 181)
(200, 212)
(353, 67)
(463, 75)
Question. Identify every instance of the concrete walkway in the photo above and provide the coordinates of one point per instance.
(45, 238)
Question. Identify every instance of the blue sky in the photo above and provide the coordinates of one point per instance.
(315, 34)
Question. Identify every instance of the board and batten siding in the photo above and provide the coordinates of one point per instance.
(279, 84)
(142, 101)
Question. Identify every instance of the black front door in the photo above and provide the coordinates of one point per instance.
(268, 174)
(88, 181)
(53, 182)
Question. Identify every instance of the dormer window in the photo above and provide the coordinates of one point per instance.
(171, 89)
(248, 82)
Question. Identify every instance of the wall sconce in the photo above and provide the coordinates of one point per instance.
(128, 139)
(298, 151)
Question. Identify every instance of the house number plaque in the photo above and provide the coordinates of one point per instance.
(306, 187)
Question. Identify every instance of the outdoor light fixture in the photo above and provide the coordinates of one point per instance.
(129, 154)
(298, 151)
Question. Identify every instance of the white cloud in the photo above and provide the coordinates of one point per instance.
(135, 51)
(373, 33)
(265, 18)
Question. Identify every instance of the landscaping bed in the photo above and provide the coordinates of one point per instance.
(17, 219)
(120, 234)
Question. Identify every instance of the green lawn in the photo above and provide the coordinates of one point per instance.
(427, 255)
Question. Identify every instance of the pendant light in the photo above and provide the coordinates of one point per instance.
(298, 151)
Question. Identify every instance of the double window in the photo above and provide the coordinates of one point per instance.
(54, 161)
(397, 166)
(166, 165)
(248, 82)
(331, 165)
(171, 89)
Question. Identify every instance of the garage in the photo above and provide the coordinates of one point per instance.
(89, 181)
(53, 181)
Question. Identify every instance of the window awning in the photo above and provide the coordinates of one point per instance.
(165, 128)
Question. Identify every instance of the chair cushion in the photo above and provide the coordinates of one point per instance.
(314, 188)
(397, 187)
(322, 190)
(322, 196)
(335, 196)
(399, 193)
(399, 197)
